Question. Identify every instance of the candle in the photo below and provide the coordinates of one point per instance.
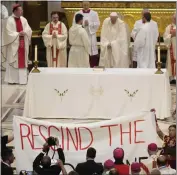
(159, 54)
(35, 53)
(159, 39)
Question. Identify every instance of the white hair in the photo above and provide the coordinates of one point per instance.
(113, 14)
(145, 10)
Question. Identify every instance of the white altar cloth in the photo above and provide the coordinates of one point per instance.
(84, 93)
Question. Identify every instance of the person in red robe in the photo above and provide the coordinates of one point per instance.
(17, 40)
(119, 164)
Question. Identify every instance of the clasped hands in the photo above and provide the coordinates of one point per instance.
(109, 46)
(86, 23)
(54, 35)
(22, 33)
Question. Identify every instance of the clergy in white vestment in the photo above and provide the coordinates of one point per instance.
(4, 16)
(17, 39)
(170, 41)
(145, 43)
(91, 24)
(55, 39)
(151, 162)
(114, 43)
(80, 44)
(137, 26)
(128, 35)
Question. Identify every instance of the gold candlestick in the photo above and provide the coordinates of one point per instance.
(36, 70)
(159, 71)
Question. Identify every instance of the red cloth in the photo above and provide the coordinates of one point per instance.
(59, 32)
(94, 60)
(21, 49)
(122, 169)
(86, 11)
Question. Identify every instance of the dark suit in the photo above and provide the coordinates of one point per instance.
(6, 170)
(4, 140)
(53, 170)
(89, 168)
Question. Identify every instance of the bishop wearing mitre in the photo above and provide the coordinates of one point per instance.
(114, 43)
(55, 40)
(170, 41)
(17, 38)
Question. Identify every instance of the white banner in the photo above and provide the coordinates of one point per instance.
(132, 133)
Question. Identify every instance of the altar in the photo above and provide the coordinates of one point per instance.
(86, 93)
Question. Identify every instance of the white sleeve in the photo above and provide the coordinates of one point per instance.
(167, 36)
(86, 41)
(104, 40)
(140, 40)
(47, 38)
(93, 26)
(28, 30)
(123, 40)
(156, 32)
(135, 30)
(62, 39)
(4, 12)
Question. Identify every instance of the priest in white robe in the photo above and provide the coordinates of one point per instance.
(137, 26)
(17, 39)
(121, 17)
(114, 43)
(80, 45)
(91, 24)
(55, 39)
(4, 16)
(170, 41)
(145, 43)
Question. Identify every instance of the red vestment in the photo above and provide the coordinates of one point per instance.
(122, 169)
(59, 33)
(21, 49)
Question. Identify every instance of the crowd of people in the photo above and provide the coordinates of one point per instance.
(114, 42)
(158, 162)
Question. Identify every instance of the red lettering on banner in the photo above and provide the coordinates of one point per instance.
(80, 138)
(75, 143)
(136, 131)
(110, 135)
(41, 132)
(62, 138)
(23, 136)
(126, 132)
(32, 136)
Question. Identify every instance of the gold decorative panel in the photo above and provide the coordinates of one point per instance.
(103, 4)
(130, 11)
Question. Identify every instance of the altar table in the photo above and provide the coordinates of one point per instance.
(85, 93)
